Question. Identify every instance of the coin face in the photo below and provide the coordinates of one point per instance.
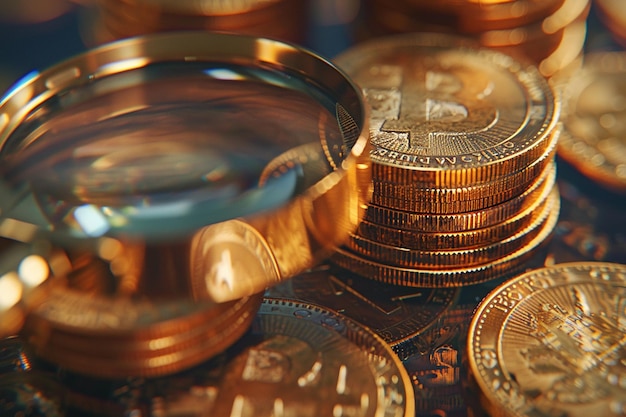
(297, 359)
(551, 342)
(397, 314)
(448, 114)
(594, 136)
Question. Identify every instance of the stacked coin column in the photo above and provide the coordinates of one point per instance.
(551, 32)
(464, 140)
(281, 19)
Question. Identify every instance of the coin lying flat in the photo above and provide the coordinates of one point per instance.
(397, 314)
(552, 342)
(594, 136)
(297, 359)
(437, 240)
(443, 258)
(450, 277)
(459, 222)
(445, 114)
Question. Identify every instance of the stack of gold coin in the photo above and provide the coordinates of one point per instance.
(549, 32)
(280, 19)
(104, 318)
(464, 140)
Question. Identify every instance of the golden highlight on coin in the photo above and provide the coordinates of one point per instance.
(549, 33)
(551, 342)
(594, 135)
(447, 115)
(278, 19)
(464, 139)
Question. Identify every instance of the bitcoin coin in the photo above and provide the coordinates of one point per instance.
(459, 222)
(594, 136)
(502, 188)
(297, 359)
(434, 239)
(551, 342)
(451, 277)
(396, 314)
(115, 338)
(445, 115)
(444, 258)
(284, 19)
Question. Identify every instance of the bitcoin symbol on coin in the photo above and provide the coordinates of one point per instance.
(432, 111)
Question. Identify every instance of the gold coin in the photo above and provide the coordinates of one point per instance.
(449, 277)
(443, 258)
(462, 199)
(117, 338)
(397, 314)
(468, 17)
(541, 39)
(459, 222)
(298, 359)
(551, 342)
(445, 115)
(594, 136)
(437, 240)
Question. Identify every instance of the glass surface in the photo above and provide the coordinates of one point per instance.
(169, 148)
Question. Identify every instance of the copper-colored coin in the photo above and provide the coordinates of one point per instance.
(261, 18)
(542, 39)
(594, 138)
(551, 342)
(443, 258)
(437, 240)
(462, 199)
(468, 17)
(567, 53)
(89, 336)
(298, 359)
(450, 277)
(397, 314)
(445, 115)
(459, 222)
(477, 16)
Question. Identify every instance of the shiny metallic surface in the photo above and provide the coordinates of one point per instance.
(424, 323)
(551, 341)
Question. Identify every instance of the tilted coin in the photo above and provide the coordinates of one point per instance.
(552, 342)
(594, 136)
(395, 313)
(445, 115)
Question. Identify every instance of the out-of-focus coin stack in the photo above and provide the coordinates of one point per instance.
(594, 134)
(463, 162)
(613, 16)
(549, 32)
(280, 19)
